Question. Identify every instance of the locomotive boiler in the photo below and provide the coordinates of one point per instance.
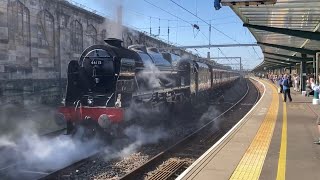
(108, 78)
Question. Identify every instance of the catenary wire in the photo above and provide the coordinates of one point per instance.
(205, 22)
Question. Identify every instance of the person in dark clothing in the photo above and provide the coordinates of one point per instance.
(309, 84)
(286, 88)
(290, 80)
(316, 88)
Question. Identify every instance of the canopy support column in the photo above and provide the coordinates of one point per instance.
(317, 67)
(303, 73)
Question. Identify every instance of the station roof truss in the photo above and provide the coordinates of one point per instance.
(284, 30)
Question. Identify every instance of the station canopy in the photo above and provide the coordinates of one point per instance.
(289, 27)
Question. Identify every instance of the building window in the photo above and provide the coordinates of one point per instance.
(92, 35)
(103, 35)
(19, 22)
(63, 21)
(76, 36)
(45, 29)
(129, 40)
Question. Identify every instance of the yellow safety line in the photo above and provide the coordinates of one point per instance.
(281, 174)
(252, 161)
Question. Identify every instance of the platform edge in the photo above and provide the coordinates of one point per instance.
(222, 141)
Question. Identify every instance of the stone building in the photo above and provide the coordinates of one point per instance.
(39, 37)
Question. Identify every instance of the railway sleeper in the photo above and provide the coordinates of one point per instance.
(168, 169)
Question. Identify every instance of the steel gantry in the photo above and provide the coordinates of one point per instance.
(290, 48)
(293, 58)
(286, 31)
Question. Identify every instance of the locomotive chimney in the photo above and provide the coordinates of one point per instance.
(113, 42)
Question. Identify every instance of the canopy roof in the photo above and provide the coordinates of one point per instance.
(302, 15)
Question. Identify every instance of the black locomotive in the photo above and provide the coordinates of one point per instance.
(108, 78)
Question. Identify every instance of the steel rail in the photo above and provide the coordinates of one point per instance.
(153, 161)
(4, 170)
(58, 173)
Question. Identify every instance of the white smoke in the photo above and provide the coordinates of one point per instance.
(154, 78)
(149, 79)
(47, 154)
(5, 142)
(114, 26)
(51, 154)
(139, 136)
(23, 142)
(150, 75)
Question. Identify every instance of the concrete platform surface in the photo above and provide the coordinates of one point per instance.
(273, 141)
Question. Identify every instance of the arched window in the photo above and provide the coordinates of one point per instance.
(76, 36)
(126, 38)
(19, 22)
(92, 35)
(45, 29)
(103, 35)
(129, 40)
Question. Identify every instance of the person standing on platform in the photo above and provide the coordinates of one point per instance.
(280, 79)
(309, 87)
(296, 82)
(286, 88)
(316, 88)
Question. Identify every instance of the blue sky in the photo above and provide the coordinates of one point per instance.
(141, 15)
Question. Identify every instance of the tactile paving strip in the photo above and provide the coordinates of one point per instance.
(252, 162)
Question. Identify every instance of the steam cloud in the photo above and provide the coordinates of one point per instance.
(22, 146)
(37, 153)
(114, 28)
(138, 136)
(150, 75)
(33, 152)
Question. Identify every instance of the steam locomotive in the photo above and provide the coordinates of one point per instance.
(108, 78)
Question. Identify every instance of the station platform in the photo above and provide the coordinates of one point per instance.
(273, 141)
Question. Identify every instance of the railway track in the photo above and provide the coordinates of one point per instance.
(16, 167)
(86, 168)
(174, 160)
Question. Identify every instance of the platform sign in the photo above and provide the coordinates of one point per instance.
(246, 2)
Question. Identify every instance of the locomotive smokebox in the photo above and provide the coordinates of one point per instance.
(104, 121)
(114, 42)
